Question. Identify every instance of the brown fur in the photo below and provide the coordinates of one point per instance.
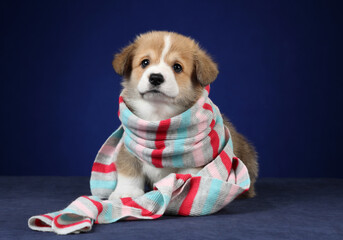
(128, 164)
(206, 70)
(122, 62)
(198, 70)
(246, 152)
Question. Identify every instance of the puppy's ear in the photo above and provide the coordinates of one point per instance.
(122, 62)
(206, 69)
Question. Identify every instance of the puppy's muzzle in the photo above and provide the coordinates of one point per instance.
(156, 79)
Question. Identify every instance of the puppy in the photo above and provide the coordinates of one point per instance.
(164, 74)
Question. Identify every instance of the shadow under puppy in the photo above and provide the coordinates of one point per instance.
(164, 74)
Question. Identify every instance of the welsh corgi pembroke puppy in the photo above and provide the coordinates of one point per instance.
(164, 74)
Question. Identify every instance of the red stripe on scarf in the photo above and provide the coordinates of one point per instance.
(120, 101)
(207, 88)
(234, 163)
(103, 168)
(213, 134)
(186, 206)
(156, 155)
(183, 177)
(208, 107)
(226, 161)
(159, 144)
(48, 217)
(130, 203)
(214, 140)
(98, 205)
(40, 223)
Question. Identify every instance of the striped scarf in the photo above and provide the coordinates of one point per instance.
(197, 137)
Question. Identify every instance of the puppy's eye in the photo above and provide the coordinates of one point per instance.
(177, 68)
(145, 63)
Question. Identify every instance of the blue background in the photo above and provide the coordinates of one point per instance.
(280, 78)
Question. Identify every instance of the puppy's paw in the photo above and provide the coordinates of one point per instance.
(126, 192)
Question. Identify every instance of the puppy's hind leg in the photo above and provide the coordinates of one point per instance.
(130, 181)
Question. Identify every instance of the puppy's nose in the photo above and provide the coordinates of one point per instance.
(156, 79)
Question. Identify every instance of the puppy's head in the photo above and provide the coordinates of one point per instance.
(164, 67)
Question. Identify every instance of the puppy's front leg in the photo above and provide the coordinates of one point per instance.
(130, 182)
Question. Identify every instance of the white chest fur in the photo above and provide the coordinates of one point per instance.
(154, 174)
(154, 111)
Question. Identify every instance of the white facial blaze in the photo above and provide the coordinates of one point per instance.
(169, 87)
(166, 47)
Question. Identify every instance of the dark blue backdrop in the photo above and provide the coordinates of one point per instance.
(280, 78)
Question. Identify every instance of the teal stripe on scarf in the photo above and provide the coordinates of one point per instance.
(230, 143)
(103, 184)
(158, 198)
(108, 215)
(118, 133)
(126, 114)
(245, 183)
(212, 197)
(68, 210)
(127, 140)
